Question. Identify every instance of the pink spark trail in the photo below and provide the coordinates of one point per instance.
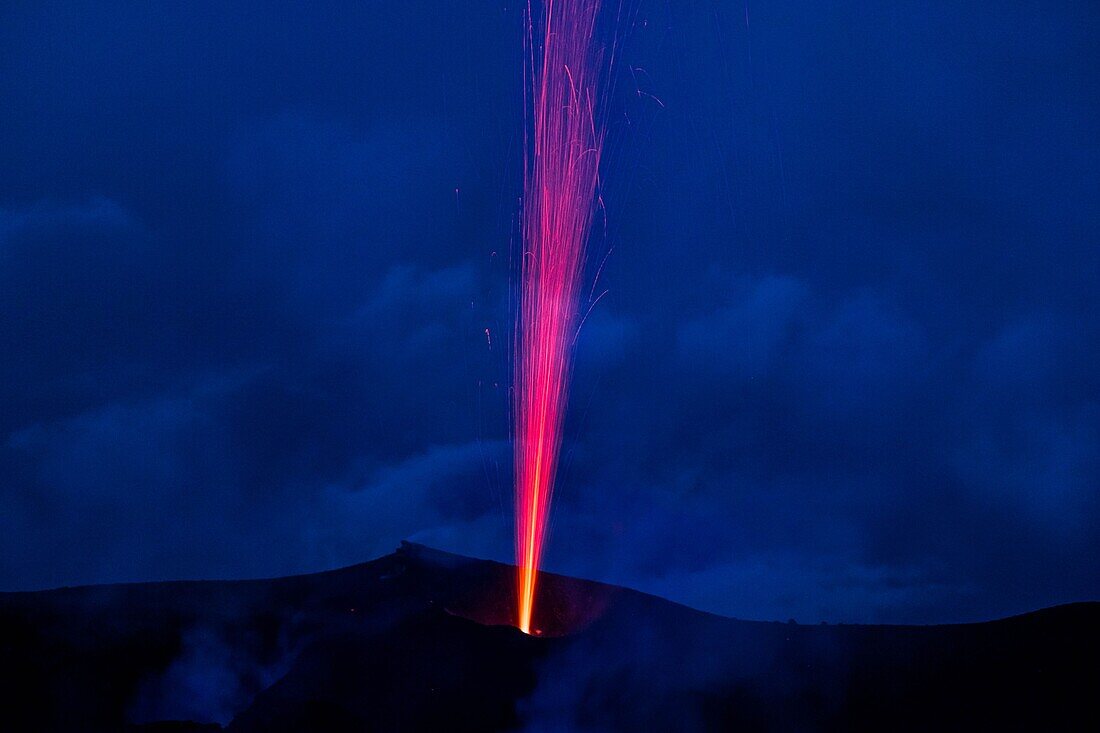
(567, 84)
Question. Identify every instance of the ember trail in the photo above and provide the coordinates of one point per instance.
(567, 87)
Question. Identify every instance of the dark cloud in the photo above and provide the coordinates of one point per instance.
(254, 283)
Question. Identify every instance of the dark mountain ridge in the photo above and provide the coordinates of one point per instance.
(420, 639)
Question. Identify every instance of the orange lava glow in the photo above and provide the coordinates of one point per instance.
(566, 82)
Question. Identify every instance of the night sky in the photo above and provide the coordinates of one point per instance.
(255, 299)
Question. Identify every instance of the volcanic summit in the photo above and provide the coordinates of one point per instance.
(420, 640)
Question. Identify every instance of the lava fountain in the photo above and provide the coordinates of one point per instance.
(566, 81)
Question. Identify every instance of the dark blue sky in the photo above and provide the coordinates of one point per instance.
(846, 369)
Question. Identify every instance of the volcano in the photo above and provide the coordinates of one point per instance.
(419, 640)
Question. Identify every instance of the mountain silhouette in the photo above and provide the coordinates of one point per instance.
(421, 640)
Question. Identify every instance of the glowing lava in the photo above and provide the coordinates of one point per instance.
(567, 86)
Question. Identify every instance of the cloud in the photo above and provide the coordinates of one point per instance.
(439, 495)
(741, 340)
(168, 477)
(1030, 436)
(863, 358)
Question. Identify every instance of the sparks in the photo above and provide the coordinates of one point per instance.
(567, 81)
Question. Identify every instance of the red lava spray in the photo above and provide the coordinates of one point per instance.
(567, 83)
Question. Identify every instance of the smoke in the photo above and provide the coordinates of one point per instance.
(217, 674)
(637, 671)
